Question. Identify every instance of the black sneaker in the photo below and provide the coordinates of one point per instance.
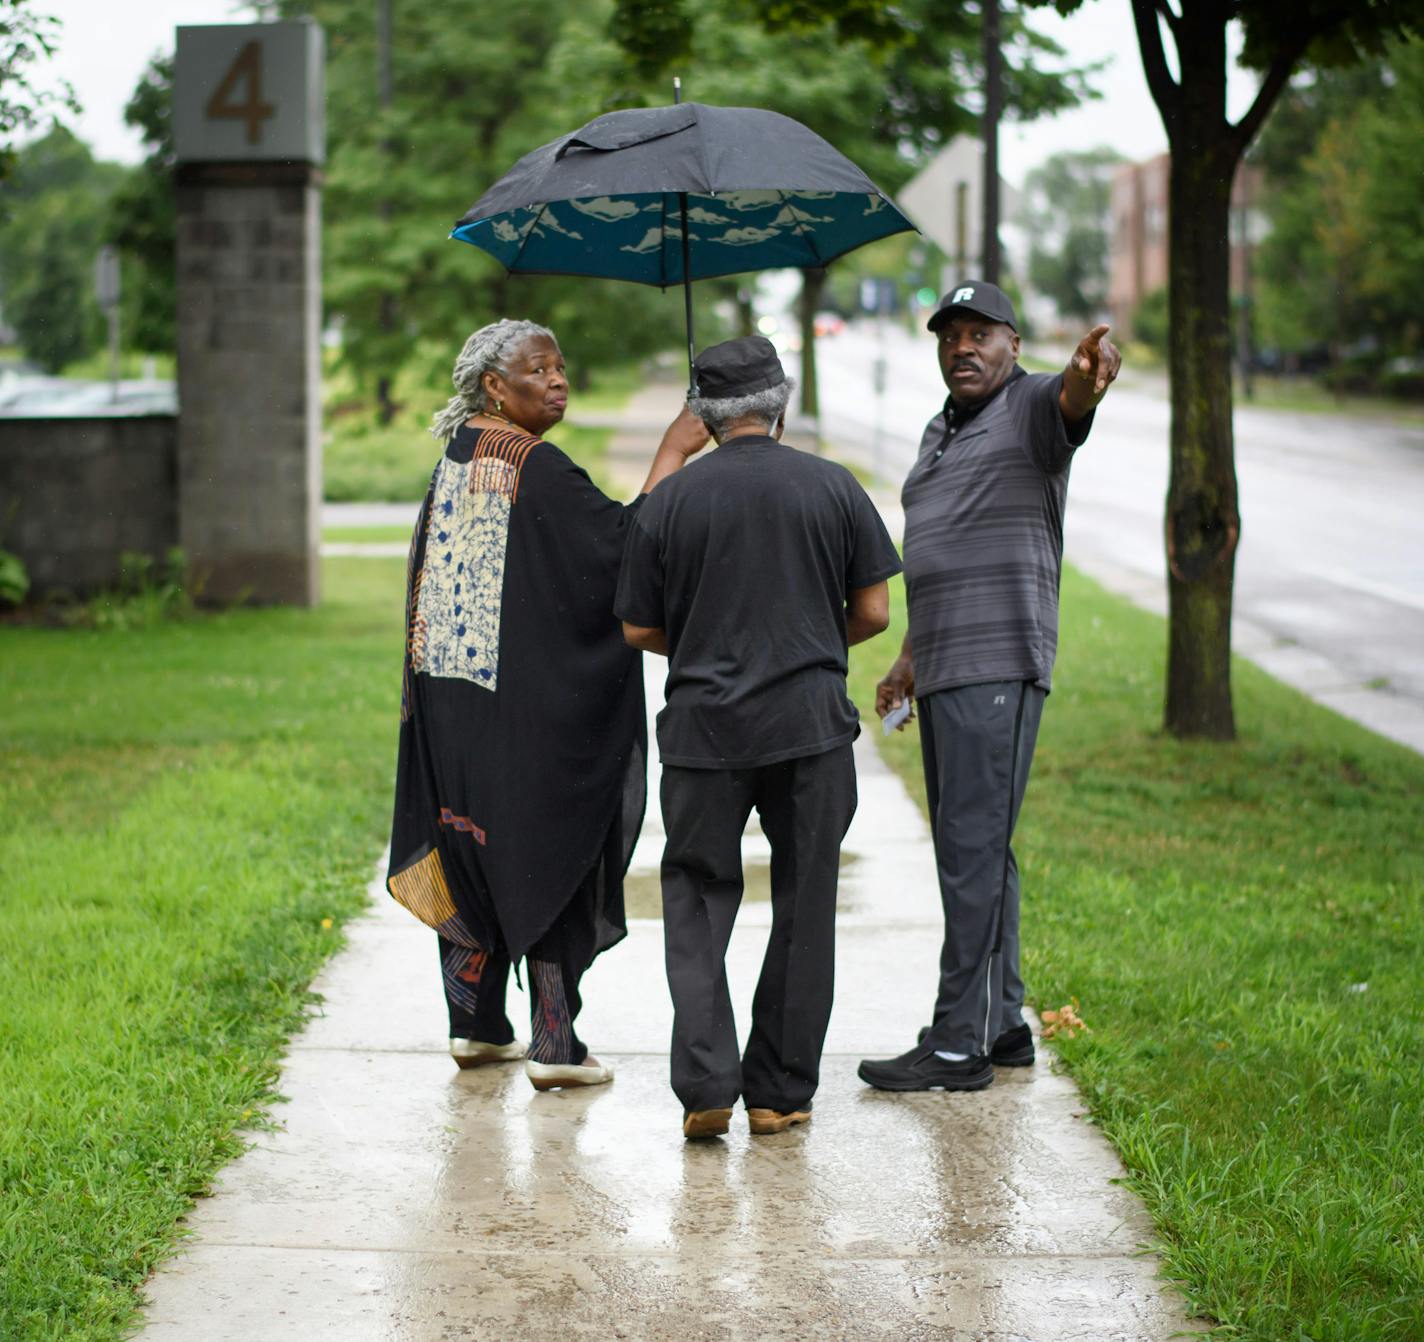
(923, 1069)
(1013, 1048)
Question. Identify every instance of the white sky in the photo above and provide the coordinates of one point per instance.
(105, 45)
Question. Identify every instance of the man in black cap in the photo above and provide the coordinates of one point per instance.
(983, 553)
(753, 570)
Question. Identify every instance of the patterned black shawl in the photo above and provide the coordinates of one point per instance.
(521, 775)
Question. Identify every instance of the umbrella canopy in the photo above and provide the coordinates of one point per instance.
(758, 191)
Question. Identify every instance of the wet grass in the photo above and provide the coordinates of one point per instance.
(189, 811)
(1308, 396)
(187, 814)
(377, 535)
(1243, 928)
(365, 461)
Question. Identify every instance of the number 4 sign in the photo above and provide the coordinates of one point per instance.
(249, 92)
(245, 73)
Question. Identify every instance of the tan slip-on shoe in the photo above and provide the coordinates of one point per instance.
(551, 1075)
(764, 1121)
(705, 1123)
(476, 1053)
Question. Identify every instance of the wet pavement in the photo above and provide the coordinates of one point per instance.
(401, 1200)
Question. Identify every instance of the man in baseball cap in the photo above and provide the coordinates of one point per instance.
(988, 300)
(983, 547)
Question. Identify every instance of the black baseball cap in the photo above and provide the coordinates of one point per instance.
(988, 300)
(738, 367)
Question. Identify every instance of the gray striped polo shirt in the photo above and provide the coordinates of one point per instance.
(984, 537)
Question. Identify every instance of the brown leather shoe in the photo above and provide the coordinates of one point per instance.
(705, 1123)
(764, 1121)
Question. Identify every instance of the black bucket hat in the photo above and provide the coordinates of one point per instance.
(740, 367)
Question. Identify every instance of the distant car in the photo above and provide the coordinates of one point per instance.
(829, 323)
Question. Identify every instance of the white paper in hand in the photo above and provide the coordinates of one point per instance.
(896, 716)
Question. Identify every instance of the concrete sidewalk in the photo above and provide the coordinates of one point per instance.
(404, 1201)
(401, 1200)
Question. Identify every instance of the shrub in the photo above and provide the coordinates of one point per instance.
(14, 579)
(1152, 321)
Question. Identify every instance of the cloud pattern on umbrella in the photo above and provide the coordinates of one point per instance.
(639, 237)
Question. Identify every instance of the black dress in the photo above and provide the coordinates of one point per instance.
(521, 778)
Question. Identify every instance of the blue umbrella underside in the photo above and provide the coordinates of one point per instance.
(639, 237)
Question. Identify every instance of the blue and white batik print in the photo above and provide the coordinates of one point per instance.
(462, 582)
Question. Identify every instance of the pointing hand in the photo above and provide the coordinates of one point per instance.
(1097, 359)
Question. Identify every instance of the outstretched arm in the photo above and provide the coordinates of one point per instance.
(1089, 374)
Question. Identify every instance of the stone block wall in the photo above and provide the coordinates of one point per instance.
(249, 459)
(75, 494)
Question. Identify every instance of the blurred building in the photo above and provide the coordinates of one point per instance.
(1138, 263)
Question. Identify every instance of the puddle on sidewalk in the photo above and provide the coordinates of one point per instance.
(643, 895)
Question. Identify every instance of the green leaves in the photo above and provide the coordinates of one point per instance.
(1344, 261)
(26, 40)
(1066, 215)
(887, 85)
(50, 232)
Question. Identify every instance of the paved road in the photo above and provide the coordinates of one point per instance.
(1330, 575)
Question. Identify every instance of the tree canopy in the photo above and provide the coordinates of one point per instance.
(1203, 521)
(50, 234)
(141, 219)
(1343, 264)
(27, 39)
(1065, 211)
(468, 100)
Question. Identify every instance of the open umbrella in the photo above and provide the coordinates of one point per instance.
(668, 195)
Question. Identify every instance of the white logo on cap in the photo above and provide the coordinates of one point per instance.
(963, 295)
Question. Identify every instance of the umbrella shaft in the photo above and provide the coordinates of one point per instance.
(687, 293)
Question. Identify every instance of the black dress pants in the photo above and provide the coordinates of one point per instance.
(805, 806)
(977, 743)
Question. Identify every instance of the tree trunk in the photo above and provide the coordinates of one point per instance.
(1202, 521)
(813, 280)
(746, 311)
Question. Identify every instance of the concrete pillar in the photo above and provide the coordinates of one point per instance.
(249, 378)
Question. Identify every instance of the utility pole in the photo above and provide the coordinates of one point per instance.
(106, 290)
(993, 106)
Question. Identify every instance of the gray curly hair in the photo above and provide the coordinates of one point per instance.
(718, 413)
(488, 350)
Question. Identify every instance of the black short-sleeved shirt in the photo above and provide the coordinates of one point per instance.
(984, 537)
(746, 557)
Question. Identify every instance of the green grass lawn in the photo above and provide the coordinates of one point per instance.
(367, 463)
(187, 814)
(132, 364)
(1308, 396)
(367, 535)
(191, 810)
(364, 461)
(1243, 927)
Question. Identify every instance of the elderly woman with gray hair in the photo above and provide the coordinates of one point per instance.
(521, 774)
